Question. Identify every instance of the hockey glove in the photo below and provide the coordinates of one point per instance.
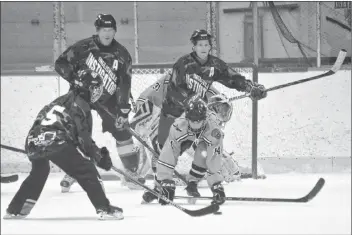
(167, 190)
(105, 161)
(122, 115)
(218, 193)
(255, 90)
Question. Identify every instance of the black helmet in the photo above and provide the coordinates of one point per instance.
(105, 21)
(200, 34)
(196, 109)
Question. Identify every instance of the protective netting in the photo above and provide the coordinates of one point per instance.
(297, 27)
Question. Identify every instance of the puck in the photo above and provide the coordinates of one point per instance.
(217, 213)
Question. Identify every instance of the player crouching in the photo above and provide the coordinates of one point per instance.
(203, 133)
(62, 134)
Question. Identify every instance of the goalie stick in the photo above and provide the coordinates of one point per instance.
(316, 189)
(338, 63)
(200, 212)
(9, 178)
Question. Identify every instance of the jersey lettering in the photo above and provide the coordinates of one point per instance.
(51, 117)
(104, 71)
(197, 84)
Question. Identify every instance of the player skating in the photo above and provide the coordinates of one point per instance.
(62, 134)
(102, 56)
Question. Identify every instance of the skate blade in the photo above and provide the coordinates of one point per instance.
(65, 189)
(14, 217)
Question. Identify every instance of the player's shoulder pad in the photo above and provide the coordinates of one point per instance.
(119, 47)
(83, 43)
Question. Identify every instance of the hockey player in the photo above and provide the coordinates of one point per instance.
(102, 56)
(61, 134)
(149, 104)
(202, 132)
(220, 112)
(193, 74)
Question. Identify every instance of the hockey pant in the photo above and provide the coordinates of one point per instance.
(70, 160)
(201, 165)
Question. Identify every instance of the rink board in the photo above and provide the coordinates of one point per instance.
(305, 128)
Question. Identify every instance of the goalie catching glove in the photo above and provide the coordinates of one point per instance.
(256, 91)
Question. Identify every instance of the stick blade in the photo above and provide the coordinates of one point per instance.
(204, 211)
(339, 60)
(9, 179)
(318, 186)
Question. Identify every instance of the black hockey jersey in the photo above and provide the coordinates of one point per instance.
(190, 77)
(112, 63)
(66, 120)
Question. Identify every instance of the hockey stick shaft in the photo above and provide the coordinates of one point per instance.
(134, 105)
(204, 211)
(139, 138)
(12, 148)
(316, 189)
(333, 70)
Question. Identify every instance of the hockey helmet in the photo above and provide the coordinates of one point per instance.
(200, 34)
(196, 109)
(91, 84)
(105, 21)
(221, 106)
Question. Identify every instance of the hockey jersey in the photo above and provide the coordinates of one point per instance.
(66, 120)
(190, 77)
(112, 63)
(181, 138)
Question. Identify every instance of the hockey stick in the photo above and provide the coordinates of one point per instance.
(12, 148)
(139, 138)
(201, 212)
(9, 178)
(338, 63)
(316, 189)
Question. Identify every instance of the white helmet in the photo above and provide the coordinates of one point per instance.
(221, 106)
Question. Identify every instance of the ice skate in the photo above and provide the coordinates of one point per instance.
(192, 191)
(66, 183)
(113, 211)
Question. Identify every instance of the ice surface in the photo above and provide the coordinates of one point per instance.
(57, 213)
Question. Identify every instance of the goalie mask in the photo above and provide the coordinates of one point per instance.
(220, 105)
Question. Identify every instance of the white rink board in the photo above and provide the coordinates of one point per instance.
(307, 120)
